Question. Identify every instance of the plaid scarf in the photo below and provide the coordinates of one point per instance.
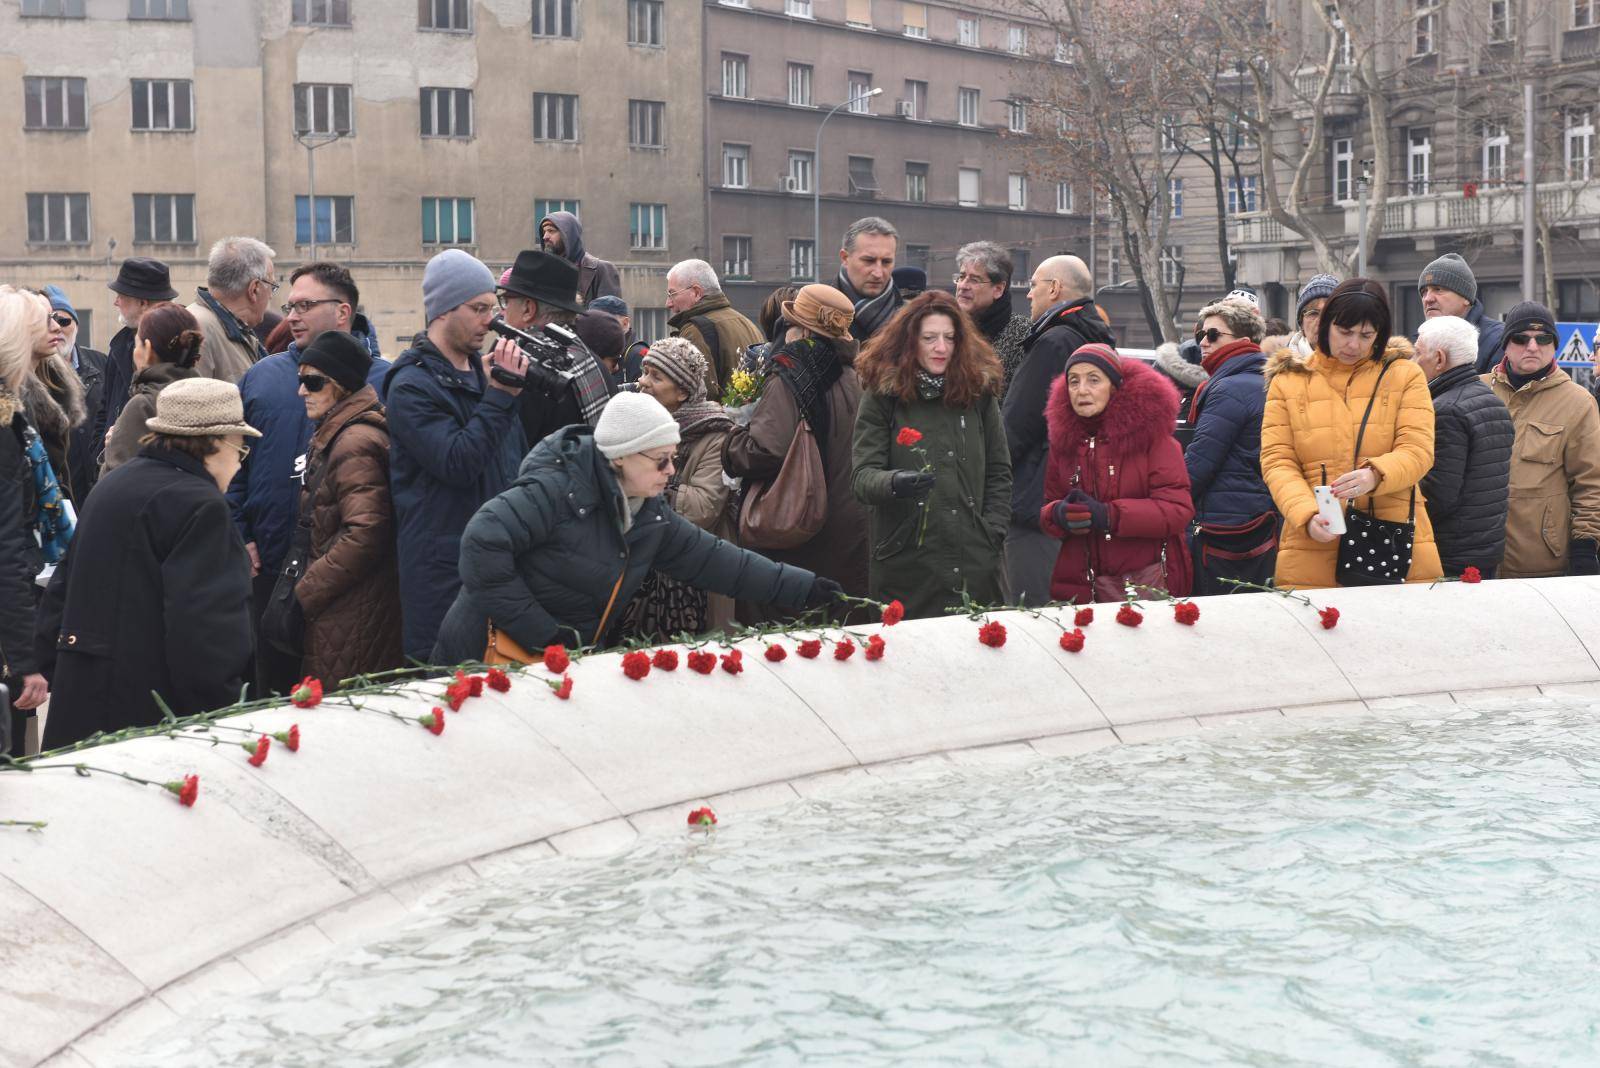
(590, 385)
(871, 312)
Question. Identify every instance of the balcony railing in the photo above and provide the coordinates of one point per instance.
(1307, 80)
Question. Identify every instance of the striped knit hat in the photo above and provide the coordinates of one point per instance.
(677, 360)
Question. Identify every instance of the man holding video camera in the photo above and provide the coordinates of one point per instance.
(565, 383)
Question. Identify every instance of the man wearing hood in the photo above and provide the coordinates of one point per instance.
(1065, 318)
(560, 232)
(1447, 287)
(88, 437)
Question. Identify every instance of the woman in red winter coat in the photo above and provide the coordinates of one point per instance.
(1116, 490)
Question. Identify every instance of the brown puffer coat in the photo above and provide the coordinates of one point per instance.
(351, 589)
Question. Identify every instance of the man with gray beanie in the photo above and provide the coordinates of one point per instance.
(455, 439)
(1447, 287)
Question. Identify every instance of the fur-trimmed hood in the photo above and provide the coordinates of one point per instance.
(1141, 411)
(1291, 360)
(1170, 362)
(40, 404)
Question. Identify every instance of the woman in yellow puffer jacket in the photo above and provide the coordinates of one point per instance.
(1308, 435)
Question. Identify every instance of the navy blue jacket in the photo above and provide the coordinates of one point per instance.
(1491, 335)
(454, 442)
(265, 495)
(1224, 454)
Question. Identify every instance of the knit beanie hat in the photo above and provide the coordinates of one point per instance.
(1320, 287)
(1526, 318)
(1450, 272)
(59, 301)
(1246, 295)
(601, 332)
(609, 304)
(630, 423)
(340, 356)
(678, 361)
(450, 280)
(1102, 356)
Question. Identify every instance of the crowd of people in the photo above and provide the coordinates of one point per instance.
(228, 501)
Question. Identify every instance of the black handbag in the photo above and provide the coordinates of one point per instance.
(1373, 551)
(1244, 552)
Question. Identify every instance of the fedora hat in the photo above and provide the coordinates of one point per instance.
(544, 277)
(821, 309)
(200, 407)
(143, 279)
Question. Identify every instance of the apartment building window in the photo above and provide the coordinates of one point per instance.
(544, 207)
(558, 18)
(323, 109)
(967, 106)
(1016, 39)
(800, 171)
(736, 252)
(336, 220)
(62, 9)
(1419, 160)
(967, 182)
(802, 259)
(1242, 194)
(1502, 21)
(644, 22)
(800, 85)
(1171, 134)
(917, 183)
(858, 14)
(1172, 265)
(449, 15)
(446, 112)
(863, 177)
(1237, 132)
(647, 226)
(735, 75)
(967, 30)
(162, 105)
(1427, 26)
(1585, 13)
(1021, 267)
(916, 100)
(858, 86)
(1063, 198)
(321, 12)
(918, 256)
(447, 220)
(1496, 147)
(1175, 196)
(800, 9)
(914, 19)
(555, 117)
(1017, 116)
(163, 218)
(647, 124)
(735, 166)
(1343, 157)
(1113, 263)
(734, 3)
(1579, 144)
(58, 218)
(1017, 192)
(1063, 53)
(652, 322)
(54, 104)
(176, 10)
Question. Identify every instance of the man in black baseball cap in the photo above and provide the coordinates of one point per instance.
(140, 283)
(541, 289)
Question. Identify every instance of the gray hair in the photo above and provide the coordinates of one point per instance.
(1452, 335)
(1243, 319)
(990, 258)
(696, 273)
(872, 224)
(236, 262)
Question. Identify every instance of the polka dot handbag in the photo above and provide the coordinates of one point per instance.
(1373, 551)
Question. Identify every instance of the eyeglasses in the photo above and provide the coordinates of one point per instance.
(1522, 339)
(975, 279)
(242, 449)
(303, 306)
(1211, 335)
(662, 463)
(270, 284)
(313, 383)
(62, 319)
(480, 310)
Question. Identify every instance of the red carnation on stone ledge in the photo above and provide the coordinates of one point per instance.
(810, 649)
(733, 662)
(844, 649)
(564, 690)
(290, 738)
(186, 791)
(1083, 617)
(1186, 612)
(893, 612)
(307, 693)
(665, 659)
(776, 654)
(1330, 617)
(258, 750)
(434, 721)
(636, 665)
(498, 680)
(1470, 575)
(458, 691)
(1072, 641)
(875, 647)
(556, 659)
(1129, 616)
(702, 662)
(992, 634)
(702, 817)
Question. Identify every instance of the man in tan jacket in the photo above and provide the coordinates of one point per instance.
(703, 314)
(239, 286)
(1553, 526)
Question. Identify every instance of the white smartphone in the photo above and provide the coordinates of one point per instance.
(1329, 509)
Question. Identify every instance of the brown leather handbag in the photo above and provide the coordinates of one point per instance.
(503, 650)
(791, 509)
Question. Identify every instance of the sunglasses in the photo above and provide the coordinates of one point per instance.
(1523, 339)
(662, 464)
(1211, 335)
(313, 383)
(63, 320)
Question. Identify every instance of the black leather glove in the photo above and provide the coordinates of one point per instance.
(824, 591)
(1099, 511)
(913, 484)
(1583, 557)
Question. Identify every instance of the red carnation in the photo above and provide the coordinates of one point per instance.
(844, 649)
(1072, 641)
(702, 817)
(1330, 617)
(810, 649)
(499, 681)
(1083, 617)
(458, 691)
(893, 612)
(564, 691)
(992, 634)
(1186, 612)
(290, 738)
(908, 436)
(475, 684)
(776, 653)
(187, 790)
(733, 662)
(258, 750)
(556, 659)
(665, 659)
(307, 693)
(434, 721)
(636, 665)
(702, 662)
(1471, 574)
(1129, 616)
(874, 650)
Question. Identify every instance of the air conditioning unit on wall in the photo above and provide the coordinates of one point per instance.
(789, 184)
(906, 108)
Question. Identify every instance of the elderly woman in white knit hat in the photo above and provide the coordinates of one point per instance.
(153, 597)
(554, 559)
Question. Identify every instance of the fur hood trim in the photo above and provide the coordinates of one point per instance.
(1172, 364)
(1289, 359)
(1142, 410)
(54, 398)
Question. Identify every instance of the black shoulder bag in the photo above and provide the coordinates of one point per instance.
(1373, 551)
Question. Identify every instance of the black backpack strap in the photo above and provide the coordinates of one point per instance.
(708, 331)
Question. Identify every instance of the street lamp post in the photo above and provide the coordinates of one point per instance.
(312, 142)
(816, 183)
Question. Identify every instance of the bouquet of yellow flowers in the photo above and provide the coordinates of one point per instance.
(743, 388)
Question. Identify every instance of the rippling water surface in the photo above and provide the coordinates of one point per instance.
(1364, 892)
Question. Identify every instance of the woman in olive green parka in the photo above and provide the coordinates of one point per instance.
(938, 508)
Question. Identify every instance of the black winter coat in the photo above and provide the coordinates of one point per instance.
(153, 595)
(454, 442)
(1467, 490)
(1047, 348)
(88, 437)
(20, 559)
(544, 559)
(118, 377)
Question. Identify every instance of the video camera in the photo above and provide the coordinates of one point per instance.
(550, 364)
